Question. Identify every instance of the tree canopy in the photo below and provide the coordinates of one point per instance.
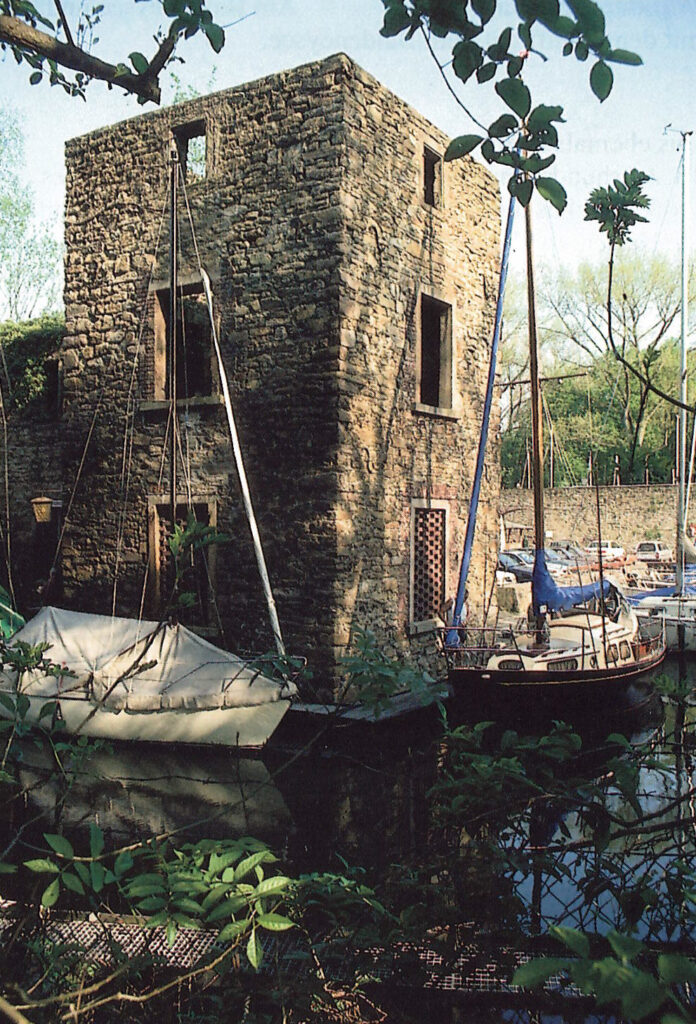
(61, 53)
(526, 135)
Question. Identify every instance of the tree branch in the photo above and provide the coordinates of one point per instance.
(17, 33)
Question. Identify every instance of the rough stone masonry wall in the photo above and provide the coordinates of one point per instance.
(629, 513)
(293, 197)
(396, 246)
(266, 219)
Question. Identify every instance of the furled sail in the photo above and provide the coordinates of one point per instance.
(548, 596)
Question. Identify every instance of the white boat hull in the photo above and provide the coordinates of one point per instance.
(241, 727)
(678, 615)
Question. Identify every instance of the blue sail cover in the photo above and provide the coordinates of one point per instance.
(635, 597)
(547, 594)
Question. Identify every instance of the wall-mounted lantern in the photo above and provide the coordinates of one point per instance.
(42, 509)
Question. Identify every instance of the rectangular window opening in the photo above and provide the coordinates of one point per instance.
(429, 532)
(432, 178)
(194, 344)
(435, 386)
(191, 143)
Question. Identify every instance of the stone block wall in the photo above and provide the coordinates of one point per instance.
(310, 224)
(629, 513)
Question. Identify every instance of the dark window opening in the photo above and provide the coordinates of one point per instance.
(428, 563)
(194, 344)
(435, 353)
(191, 143)
(432, 178)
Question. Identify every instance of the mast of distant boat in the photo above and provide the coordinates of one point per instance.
(681, 506)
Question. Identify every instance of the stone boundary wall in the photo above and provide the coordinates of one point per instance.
(629, 513)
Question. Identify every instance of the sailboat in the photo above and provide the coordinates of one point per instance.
(584, 641)
(676, 605)
(128, 679)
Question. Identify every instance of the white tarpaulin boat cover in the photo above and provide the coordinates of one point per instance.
(140, 666)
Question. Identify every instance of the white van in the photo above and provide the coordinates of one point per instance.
(653, 551)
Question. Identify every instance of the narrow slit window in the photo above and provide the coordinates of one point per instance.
(432, 178)
(192, 146)
(435, 369)
(428, 562)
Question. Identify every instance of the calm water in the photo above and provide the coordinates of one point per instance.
(356, 794)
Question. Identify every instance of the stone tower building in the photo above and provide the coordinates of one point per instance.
(354, 278)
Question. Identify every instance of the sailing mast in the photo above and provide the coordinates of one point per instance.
(537, 434)
(173, 327)
(681, 509)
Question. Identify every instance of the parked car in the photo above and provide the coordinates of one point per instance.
(575, 556)
(611, 551)
(654, 551)
(509, 562)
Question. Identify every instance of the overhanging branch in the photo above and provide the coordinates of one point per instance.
(17, 33)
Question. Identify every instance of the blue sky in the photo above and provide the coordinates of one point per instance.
(599, 141)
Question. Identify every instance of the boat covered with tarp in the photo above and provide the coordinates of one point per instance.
(130, 679)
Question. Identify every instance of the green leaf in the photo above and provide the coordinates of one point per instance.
(96, 840)
(272, 886)
(553, 191)
(467, 57)
(590, 19)
(171, 932)
(152, 903)
(515, 94)
(49, 897)
(233, 930)
(601, 80)
(274, 922)
(503, 126)
(396, 19)
(61, 846)
(676, 970)
(462, 145)
(521, 188)
(536, 972)
(186, 904)
(573, 939)
(123, 863)
(72, 882)
(216, 36)
(7, 869)
(247, 865)
(139, 62)
(485, 9)
(97, 873)
(486, 72)
(254, 950)
(42, 865)
(625, 947)
(624, 57)
(35, 77)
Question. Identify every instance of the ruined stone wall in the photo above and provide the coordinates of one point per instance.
(391, 451)
(309, 226)
(629, 513)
